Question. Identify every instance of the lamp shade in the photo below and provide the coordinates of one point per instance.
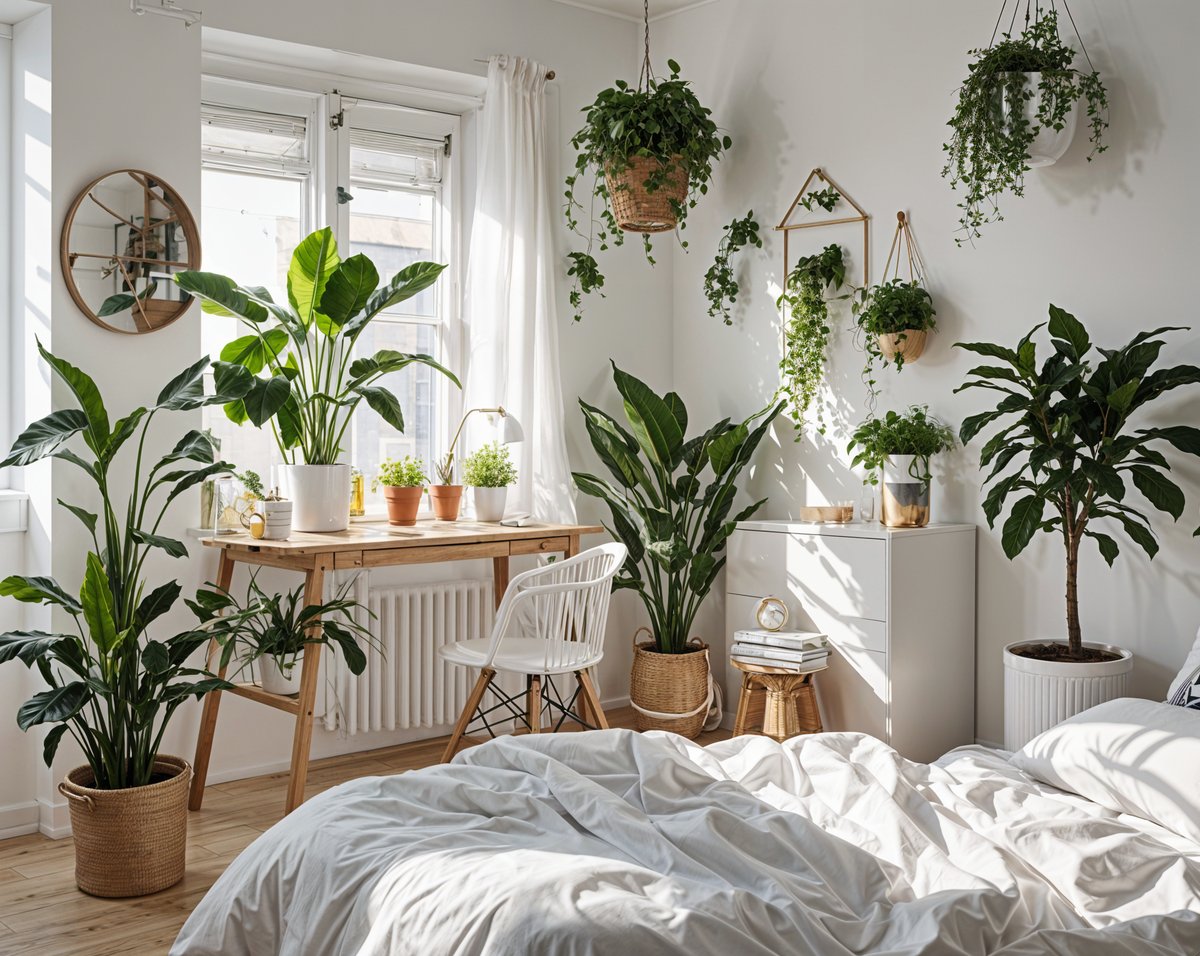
(510, 429)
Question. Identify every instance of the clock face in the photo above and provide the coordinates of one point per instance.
(772, 614)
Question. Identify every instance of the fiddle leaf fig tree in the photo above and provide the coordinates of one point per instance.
(1069, 445)
(670, 498)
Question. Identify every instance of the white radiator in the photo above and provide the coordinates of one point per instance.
(405, 684)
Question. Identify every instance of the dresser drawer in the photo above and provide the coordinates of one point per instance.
(757, 564)
(853, 692)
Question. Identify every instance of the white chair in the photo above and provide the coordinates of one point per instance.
(551, 622)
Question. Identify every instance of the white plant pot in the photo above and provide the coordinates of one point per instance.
(905, 498)
(489, 503)
(1048, 145)
(320, 496)
(278, 679)
(1040, 694)
(270, 520)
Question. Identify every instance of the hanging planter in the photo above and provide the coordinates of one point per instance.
(1018, 110)
(651, 151)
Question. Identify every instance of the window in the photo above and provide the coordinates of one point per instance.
(384, 186)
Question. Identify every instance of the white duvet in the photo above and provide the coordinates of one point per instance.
(620, 843)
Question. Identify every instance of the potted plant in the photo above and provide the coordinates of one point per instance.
(489, 472)
(270, 518)
(806, 334)
(895, 319)
(1060, 464)
(651, 151)
(899, 446)
(275, 629)
(403, 484)
(308, 380)
(670, 499)
(1017, 110)
(721, 287)
(112, 686)
(445, 497)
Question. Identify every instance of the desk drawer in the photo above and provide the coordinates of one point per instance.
(541, 546)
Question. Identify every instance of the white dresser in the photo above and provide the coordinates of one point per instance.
(899, 609)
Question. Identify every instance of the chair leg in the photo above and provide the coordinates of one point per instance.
(468, 712)
(533, 703)
(591, 700)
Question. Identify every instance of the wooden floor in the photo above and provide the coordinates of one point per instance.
(42, 912)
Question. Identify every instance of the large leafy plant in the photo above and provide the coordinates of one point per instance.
(670, 499)
(1067, 448)
(662, 120)
(988, 152)
(308, 382)
(111, 686)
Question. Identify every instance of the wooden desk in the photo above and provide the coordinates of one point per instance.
(360, 546)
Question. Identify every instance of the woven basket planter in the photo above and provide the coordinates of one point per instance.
(637, 210)
(909, 343)
(129, 842)
(670, 691)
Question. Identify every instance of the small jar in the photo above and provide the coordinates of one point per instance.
(358, 492)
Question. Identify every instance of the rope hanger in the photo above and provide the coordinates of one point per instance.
(1034, 7)
(904, 247)
(647, 75)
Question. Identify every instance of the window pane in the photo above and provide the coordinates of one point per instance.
(417, 389)
(395, 228)
(249, 226)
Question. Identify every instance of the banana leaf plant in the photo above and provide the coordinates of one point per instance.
(308, 381)
(670, 499)
(111, 686)
(1068, 447)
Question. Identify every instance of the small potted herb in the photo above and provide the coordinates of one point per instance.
(899, 446)
(403, 484)
(445, 497)
(489, 472)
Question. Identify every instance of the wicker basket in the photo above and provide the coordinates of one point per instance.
(670, 691)
(129, 842)
(909, 343)
(637, 210)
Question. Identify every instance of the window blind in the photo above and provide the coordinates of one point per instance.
(247, 139)
(394, 159)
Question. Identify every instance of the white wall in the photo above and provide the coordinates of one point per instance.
(864, 89)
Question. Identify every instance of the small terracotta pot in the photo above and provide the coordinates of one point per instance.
(446, 501)
(402, 504)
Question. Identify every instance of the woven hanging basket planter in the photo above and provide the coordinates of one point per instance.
(910, 343)
(670, 691)
(129, 842)
(636, 209)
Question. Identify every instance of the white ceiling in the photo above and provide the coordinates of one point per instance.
(632, 9)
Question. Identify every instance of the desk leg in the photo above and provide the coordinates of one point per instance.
(572, 546)
(212, 702)
(314, 593)
(499, 578)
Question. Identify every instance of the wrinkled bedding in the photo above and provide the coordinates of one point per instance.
(613, 842)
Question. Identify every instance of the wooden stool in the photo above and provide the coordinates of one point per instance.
(784, 701)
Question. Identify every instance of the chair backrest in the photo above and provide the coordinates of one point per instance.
(563, 601)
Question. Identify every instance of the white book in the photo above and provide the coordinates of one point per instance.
(796, 640)
(802, 668)
(779, 653)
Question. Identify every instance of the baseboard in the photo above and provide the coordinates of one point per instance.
(17, 819)
(54, 819)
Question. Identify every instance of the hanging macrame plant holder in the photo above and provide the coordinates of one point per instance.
(909, 343)
(646, 193)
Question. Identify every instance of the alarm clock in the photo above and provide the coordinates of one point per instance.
(772, 614)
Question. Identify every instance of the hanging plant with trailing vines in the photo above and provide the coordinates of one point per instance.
(721, 287)
(988, 152)
(894, 307)
(807, 294)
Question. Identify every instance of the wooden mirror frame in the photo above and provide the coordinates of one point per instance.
(179, 213)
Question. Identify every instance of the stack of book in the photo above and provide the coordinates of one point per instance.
(792, 650)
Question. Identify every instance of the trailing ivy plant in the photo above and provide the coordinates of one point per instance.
(664, 121)
(988, 152)
(889, 308)
(806, 334)
(720, 286)
(824, 198)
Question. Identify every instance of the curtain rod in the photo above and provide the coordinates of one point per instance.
(549, 73)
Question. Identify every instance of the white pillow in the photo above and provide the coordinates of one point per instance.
(1135, 756)
(1185, 688)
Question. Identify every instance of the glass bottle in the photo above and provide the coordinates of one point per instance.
(357, 494)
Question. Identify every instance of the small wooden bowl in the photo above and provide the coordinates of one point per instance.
(828, 514)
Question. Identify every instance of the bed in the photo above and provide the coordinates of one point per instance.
(613, 842)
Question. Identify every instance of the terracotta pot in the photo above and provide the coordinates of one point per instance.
(910, 344)
(446, 501)
(671, 691)
(129, 842)
(402, 504)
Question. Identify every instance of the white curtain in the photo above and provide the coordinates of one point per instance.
(510, 317)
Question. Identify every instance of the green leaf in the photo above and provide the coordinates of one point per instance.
(193, 478)
(1120, 398)
(156, 603)
(384, 403)
(220, 295)
(38, 590)
(86, 393)
(1070, 330)
(89, 520)
(404, 285)
(1139, 533)
(195, 445)
(1109, 548)
(1184, 437)
(1159, 490)
(50, 745)
(266, 398)
(45, 436)
(29, 646)
(723, 450)
(1021, 525)
(313, 262)
(349, 289)
(389, 360)
(254, 352)
(186, 390)
(155, 658)
(97, 600)
(230, 383)
(53, 706)
(990, 350)
(653, 423)
(173, 547)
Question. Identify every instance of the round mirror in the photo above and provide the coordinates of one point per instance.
(126, 234)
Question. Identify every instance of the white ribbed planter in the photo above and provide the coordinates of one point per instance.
(1048, 145)
(1040, 694)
